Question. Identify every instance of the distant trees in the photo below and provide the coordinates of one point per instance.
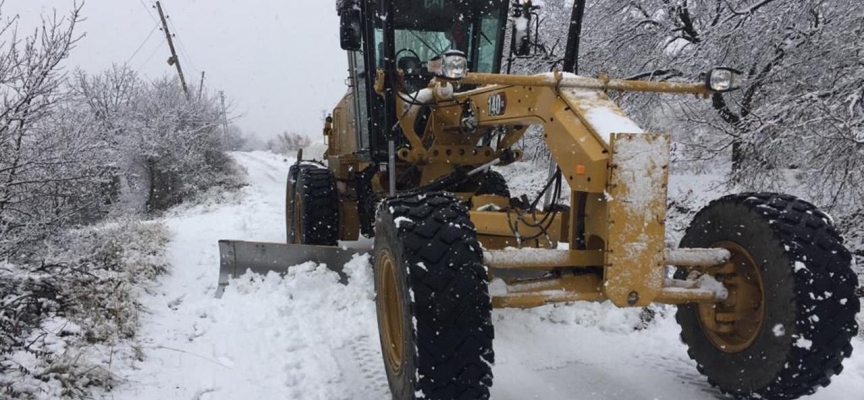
(287, 142)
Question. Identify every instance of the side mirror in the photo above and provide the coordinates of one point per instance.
(349, 29)
(522, 43)
(722, 79)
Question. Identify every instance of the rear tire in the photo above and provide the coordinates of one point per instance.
(795, 338)
(494, 183)
(434, 310)
(489, 182)
(312, 206)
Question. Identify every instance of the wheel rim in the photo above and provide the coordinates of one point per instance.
(732, 325)
(390, 309)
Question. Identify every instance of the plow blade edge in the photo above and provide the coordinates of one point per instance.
(235, 257)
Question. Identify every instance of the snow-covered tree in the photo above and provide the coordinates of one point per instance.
(286, 143)
(799, 108)
(43, 184)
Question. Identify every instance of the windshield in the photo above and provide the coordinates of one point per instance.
(427, 28)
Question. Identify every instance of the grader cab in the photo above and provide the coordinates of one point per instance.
(409, 157)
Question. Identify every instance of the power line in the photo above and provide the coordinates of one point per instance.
(148, 11)
(142, 43)
(150, 57)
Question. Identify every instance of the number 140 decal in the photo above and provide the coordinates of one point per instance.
(497, 104)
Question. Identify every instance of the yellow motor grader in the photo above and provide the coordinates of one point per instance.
(762, 281)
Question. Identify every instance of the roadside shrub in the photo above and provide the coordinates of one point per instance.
(58, 317)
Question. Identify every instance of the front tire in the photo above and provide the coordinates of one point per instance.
(787, 324)
(312, 206)
(434, 310)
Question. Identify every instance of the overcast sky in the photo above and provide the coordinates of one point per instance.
(278, 61)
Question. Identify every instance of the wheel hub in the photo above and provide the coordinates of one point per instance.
(733, 324)
(390, 310)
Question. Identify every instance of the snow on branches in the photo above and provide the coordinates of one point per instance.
(800, 110)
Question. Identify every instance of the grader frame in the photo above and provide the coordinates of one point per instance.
(619, 239)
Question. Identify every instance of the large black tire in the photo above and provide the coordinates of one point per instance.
(494, 183)
(489, 182)
(312, 206)
(434, 310)
(808, 301)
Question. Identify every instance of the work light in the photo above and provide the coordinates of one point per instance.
(723, 79)
(451, 65)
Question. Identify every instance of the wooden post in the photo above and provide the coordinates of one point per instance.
(201, 86)
(174, 60)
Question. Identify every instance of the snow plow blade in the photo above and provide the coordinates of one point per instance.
(237, 256)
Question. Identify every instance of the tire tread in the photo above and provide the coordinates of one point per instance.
(827, 321)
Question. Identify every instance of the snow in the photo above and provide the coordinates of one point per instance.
(302, 337)
(642, 163)
(708, 282)
(418, 98)
(305, 336)
(514, 256)
(703, 257)
(603, 115)
(606, 121)
(779, 330)
(520, 24)
(400, 220)
(803, 343)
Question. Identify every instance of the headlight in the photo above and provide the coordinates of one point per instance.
(723, 79)
(451, 65)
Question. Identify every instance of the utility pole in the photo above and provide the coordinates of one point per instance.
(174, 60)
(201, 86)
(224, 112)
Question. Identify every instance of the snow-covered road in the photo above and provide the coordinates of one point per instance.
(308, 337)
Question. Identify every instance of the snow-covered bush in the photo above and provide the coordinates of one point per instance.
(162, 146)
(60, 316)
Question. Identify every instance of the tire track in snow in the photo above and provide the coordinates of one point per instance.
(362, 368)
(259, 163)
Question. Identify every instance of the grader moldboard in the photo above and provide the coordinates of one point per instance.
(762, 281)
